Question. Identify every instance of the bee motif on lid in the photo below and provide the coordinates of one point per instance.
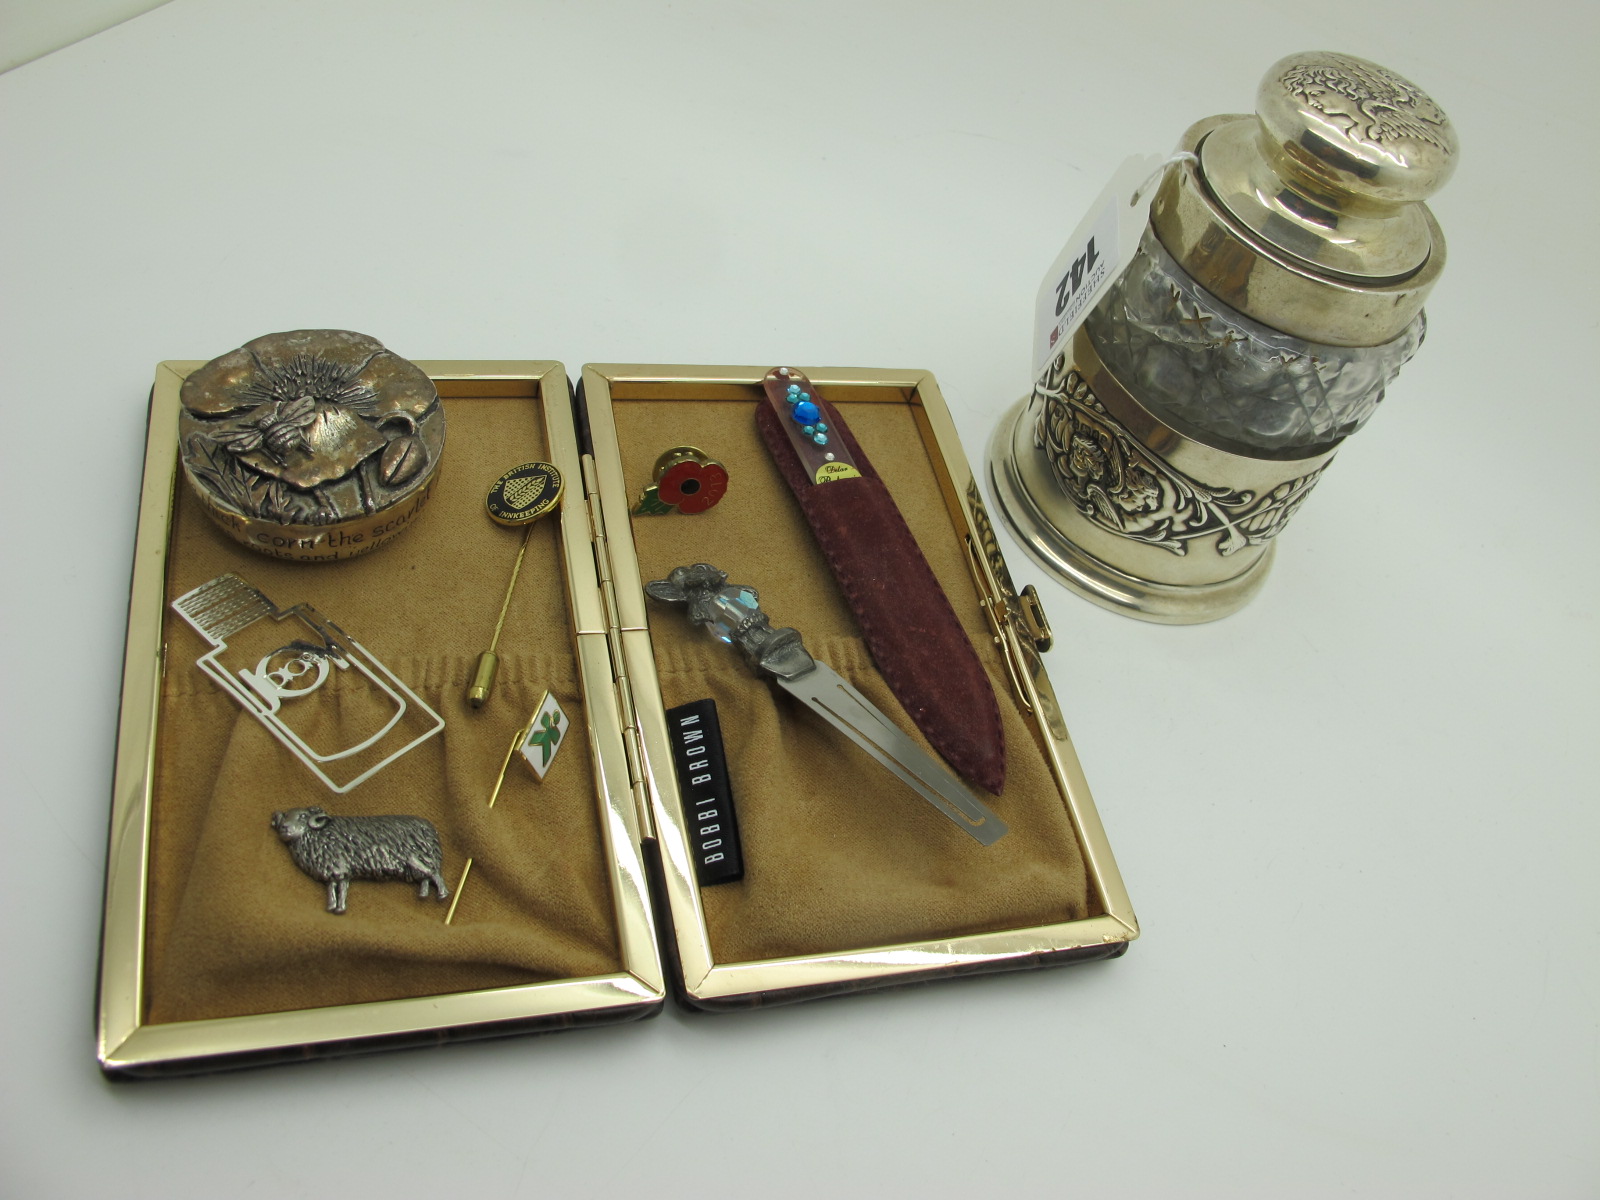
(315, 444)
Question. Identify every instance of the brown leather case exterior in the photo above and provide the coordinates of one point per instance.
(913, 633)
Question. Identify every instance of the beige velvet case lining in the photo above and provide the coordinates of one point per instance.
(234, 926)
(839, 855)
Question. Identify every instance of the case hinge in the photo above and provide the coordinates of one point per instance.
(632, 742)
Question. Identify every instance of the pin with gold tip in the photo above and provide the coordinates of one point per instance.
(519, 497)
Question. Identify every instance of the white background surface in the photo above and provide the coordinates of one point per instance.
(1357, 820)
(32, 28)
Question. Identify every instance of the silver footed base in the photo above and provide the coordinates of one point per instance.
(1091, 578)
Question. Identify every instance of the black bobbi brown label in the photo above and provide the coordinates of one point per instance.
(707, 795)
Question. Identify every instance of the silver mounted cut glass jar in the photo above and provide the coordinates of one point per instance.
(1276, 292)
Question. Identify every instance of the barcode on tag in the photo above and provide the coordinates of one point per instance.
(1097, 253)
(1083, 277)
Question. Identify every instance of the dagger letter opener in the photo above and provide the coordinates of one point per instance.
(733, 614)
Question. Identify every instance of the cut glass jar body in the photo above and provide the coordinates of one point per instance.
(1274, 295)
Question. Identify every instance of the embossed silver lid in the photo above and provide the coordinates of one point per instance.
(1308, 216)
(1335, 167)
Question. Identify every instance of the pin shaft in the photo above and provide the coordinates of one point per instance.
(494, 795)
(488, 661)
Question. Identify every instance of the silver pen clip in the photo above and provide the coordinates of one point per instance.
(733, 613)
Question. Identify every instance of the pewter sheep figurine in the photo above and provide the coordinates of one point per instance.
(336, 850)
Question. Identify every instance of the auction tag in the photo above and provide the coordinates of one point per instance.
(1100, 249)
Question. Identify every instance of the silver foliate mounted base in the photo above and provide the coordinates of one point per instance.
(1017, 468)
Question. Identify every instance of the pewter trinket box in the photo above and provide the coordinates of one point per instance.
(316, 445)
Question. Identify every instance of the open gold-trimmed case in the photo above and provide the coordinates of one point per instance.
(129, 1043)
(659, 910)
(1014, 623)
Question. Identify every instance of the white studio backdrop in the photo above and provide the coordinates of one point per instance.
(1356, 819)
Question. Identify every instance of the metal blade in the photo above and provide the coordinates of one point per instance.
(853, 715)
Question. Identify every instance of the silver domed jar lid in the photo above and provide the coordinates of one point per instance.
(1335, 167)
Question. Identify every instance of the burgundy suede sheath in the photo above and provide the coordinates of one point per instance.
(910, 628)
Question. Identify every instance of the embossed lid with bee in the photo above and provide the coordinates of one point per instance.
(1335, 167)
(316, 444)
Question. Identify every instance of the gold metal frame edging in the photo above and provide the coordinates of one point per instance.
(126, 1044)
(706, 982)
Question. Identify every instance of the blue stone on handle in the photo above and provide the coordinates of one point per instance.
(805, 412)
(731, 607)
